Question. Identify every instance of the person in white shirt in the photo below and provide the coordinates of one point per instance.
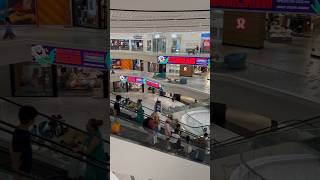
(175, 137)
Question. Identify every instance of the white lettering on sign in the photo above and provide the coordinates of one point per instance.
(241, 23)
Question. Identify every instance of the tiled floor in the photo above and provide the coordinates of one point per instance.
(288, 67)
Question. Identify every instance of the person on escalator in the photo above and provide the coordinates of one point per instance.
(116, 106)
(140, 112)
(20, 149)
(95, 150)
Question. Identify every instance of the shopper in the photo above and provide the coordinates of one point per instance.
(168, 131)
(140, 112)
(157, 106)
(174, 140)
(187, 147)
(178, 129)
(95, 150)
(116, 106)
(20, 149)
(8, 32)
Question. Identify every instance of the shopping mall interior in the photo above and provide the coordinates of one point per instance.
(56, 59)
(265, 76)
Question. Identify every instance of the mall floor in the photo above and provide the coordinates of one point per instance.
(63, 35)
(287, 67)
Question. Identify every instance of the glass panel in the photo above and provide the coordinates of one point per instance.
(137, 45)
(85, 13)
(119, 44)
(76, 81)
(33, 79)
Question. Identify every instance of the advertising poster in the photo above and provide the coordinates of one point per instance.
(21, 11)
(298, 6)
(54, 55)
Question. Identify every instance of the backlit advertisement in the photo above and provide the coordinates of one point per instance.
(139, 80)
(201, 61)
(298, 6)
(21, 11)
(55, 55)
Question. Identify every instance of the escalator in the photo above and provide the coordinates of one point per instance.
(288, 129)
(53, 153)
(135, 132)
(52, 162)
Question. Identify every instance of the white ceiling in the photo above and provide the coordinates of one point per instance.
(185, 16)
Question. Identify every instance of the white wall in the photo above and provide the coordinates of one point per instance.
(145, 163)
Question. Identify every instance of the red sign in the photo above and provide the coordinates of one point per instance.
(242, 4)
(68, 56)
(132, 79)
(181, 60)
(153, 84)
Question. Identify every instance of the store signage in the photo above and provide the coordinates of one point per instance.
(55, 55)
(241, 23)
(298, 6)
(203, 61)
(139, 80)
(205, 36)
(137, 37)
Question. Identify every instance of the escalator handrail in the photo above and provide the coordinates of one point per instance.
(161, 121)
(112, 101)
(56, 150)
(53, 142)
(50, 118)
(166, 116)
(300, 122)
(207, 149)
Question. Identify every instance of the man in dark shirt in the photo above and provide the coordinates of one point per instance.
(117, 105)
(21, 151)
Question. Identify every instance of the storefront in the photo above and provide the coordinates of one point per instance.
(137, 44)
(138, 64)
(120, 86)
(153, 67)
(176, 43)
(159, 44)
(173, 69)
(31, 79)
(89, 13)
(119, 44)
(116, 64)
(45, 80)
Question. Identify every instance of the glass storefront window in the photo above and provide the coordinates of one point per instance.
(137, 45)
(135, 87)
(119, 86)
(76, 81)
(159, 45)
(153, 67)
(89, 13)
(32, 79)
(119, 44)
(138, 65)
(176, 44)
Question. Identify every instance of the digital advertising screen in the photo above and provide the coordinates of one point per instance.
(297, 6)
(55, 55)
(183, 60)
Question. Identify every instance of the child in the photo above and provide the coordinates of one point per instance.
(9, 33)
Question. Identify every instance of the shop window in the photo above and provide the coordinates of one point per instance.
(137, 45)
(76, 81)
(159, 45)
(32, 79)
(89, 13)
(138, 65)
(119, 86)
(153, 67)
(176, 44)
(119, 44)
